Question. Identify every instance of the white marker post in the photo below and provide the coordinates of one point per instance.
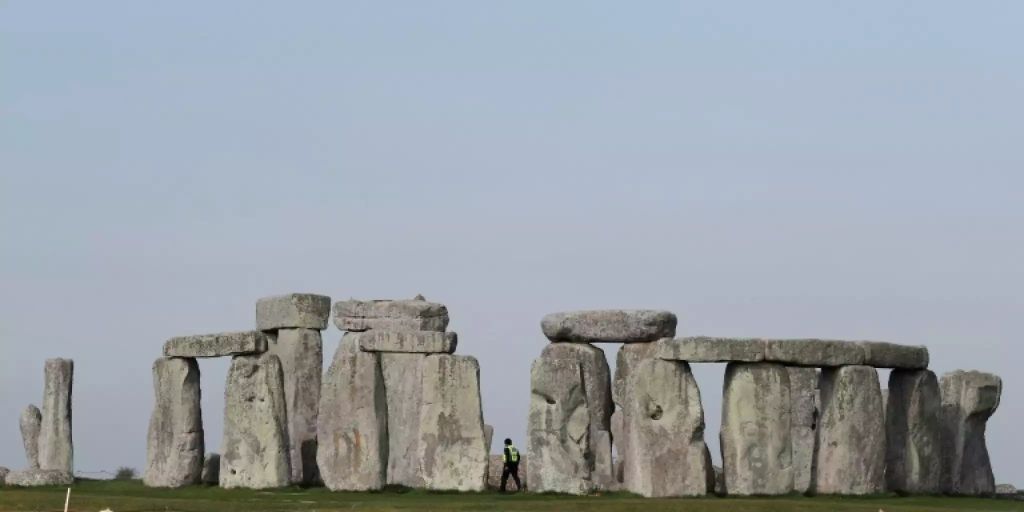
(67, 499)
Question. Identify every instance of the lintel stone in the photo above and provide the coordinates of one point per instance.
(293, 311)
(217, 345)
(705, 349)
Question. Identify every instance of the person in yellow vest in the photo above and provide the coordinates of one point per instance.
(510, 458)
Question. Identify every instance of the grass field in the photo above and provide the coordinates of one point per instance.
(130, 496)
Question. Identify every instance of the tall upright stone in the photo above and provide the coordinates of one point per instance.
(913, 458)
(255, 448)
(31, 422)
(352, 433)
(403, 390)
(175, 444)
(850, 455)
(969, 398)
(665, 429)
(756, 433)
(56, 449)
(558, 428)
(803, 390)
(452, 454)
(301, 353)
(626, 359)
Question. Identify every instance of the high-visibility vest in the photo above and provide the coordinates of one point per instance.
(511, 451)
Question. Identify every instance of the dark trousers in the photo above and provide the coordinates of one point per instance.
(511, 468)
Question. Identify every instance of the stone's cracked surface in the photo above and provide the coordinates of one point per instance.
(558, 428)
(211, 469)
(293, 311)
(352, 433)
(913, 433)
(609, 326)
(705, 349)
(413, 342)
(255, 448)
(302, 359)
(803, 391)
(39, 478)
(56, 448)
(390, 315)
(626, 359)
(175, 443)
(881, 354)
(217, 345)
(851, 437)
(665, 429)
(969, 399)
(813, 352)
(403, 389)
(756, 435)
(451, 447)
(30, 424)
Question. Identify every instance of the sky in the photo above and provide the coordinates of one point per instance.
(773, 169)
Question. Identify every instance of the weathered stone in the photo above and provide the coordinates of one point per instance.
(390, 315)
(31, 422)
(301, 354)
(618, 446)
(603, 475)
(558, 428)
(1004, 489)
(850, 455)
(969, 399)
(609, 326)
(3, 475)
(913, 432)
(626, 359)
(719, 476)
(56, 450)
(803, 391)
(352, 433)
(255, 443)
(175, 444)
(712, 477)
(293, 311)
(495, 467)
(811, 352)
(703, 349)
(488, 437)
(756, 430)
(665, 426)
(422, 342)
(403, 389)
(451, 447)
(211, 469)
(39, 478)
(891, 355)
(216, 345)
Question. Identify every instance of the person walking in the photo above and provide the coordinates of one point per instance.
(510, 459)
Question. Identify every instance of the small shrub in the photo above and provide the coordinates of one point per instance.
(124, 473)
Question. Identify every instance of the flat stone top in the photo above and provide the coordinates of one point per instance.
(390, 315)
(293, 311)
(794, 352)
(609, 326)
(217, 345)
(410, 342)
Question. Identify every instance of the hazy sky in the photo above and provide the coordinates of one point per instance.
(760, 168)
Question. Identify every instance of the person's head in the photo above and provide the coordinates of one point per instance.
(508, 442)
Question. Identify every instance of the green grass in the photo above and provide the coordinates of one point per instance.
(131, 496)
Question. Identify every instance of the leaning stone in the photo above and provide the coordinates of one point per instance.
(211, 469)
(891, 355)
(913, 433)
(175, 445)
(969, 399)
(31, 422)
(255, 425)
(703, 349)
(756, 430)
(665, 427)
(423, 342)
(217, 345)
(851, 434)
(451, 447)
(293, 311)
(390, 315)
(302, 360)
(56, 449)
(803, 391)
(352, 433)
(609, 326)
(39, 478)
(558, 428)
(817, 353)
(403, 389)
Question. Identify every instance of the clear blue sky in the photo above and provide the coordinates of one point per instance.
(759, 168)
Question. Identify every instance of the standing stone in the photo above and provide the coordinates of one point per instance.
(352, 433)
(626, 359)
(756, 430)
(665, 426)
(301, 354)
(851, 436)
(451, 447)
(174, 446)
(609, 326)
(558, 428)
(618, 436)
(255, 443)
(3, 475)
(403, 391)
(803, 391)
(604, 465)
(488, 437)
(211, 469)
(968, 400)
(39, 478)
(913, 460)
(31, 422)
(56, 450)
